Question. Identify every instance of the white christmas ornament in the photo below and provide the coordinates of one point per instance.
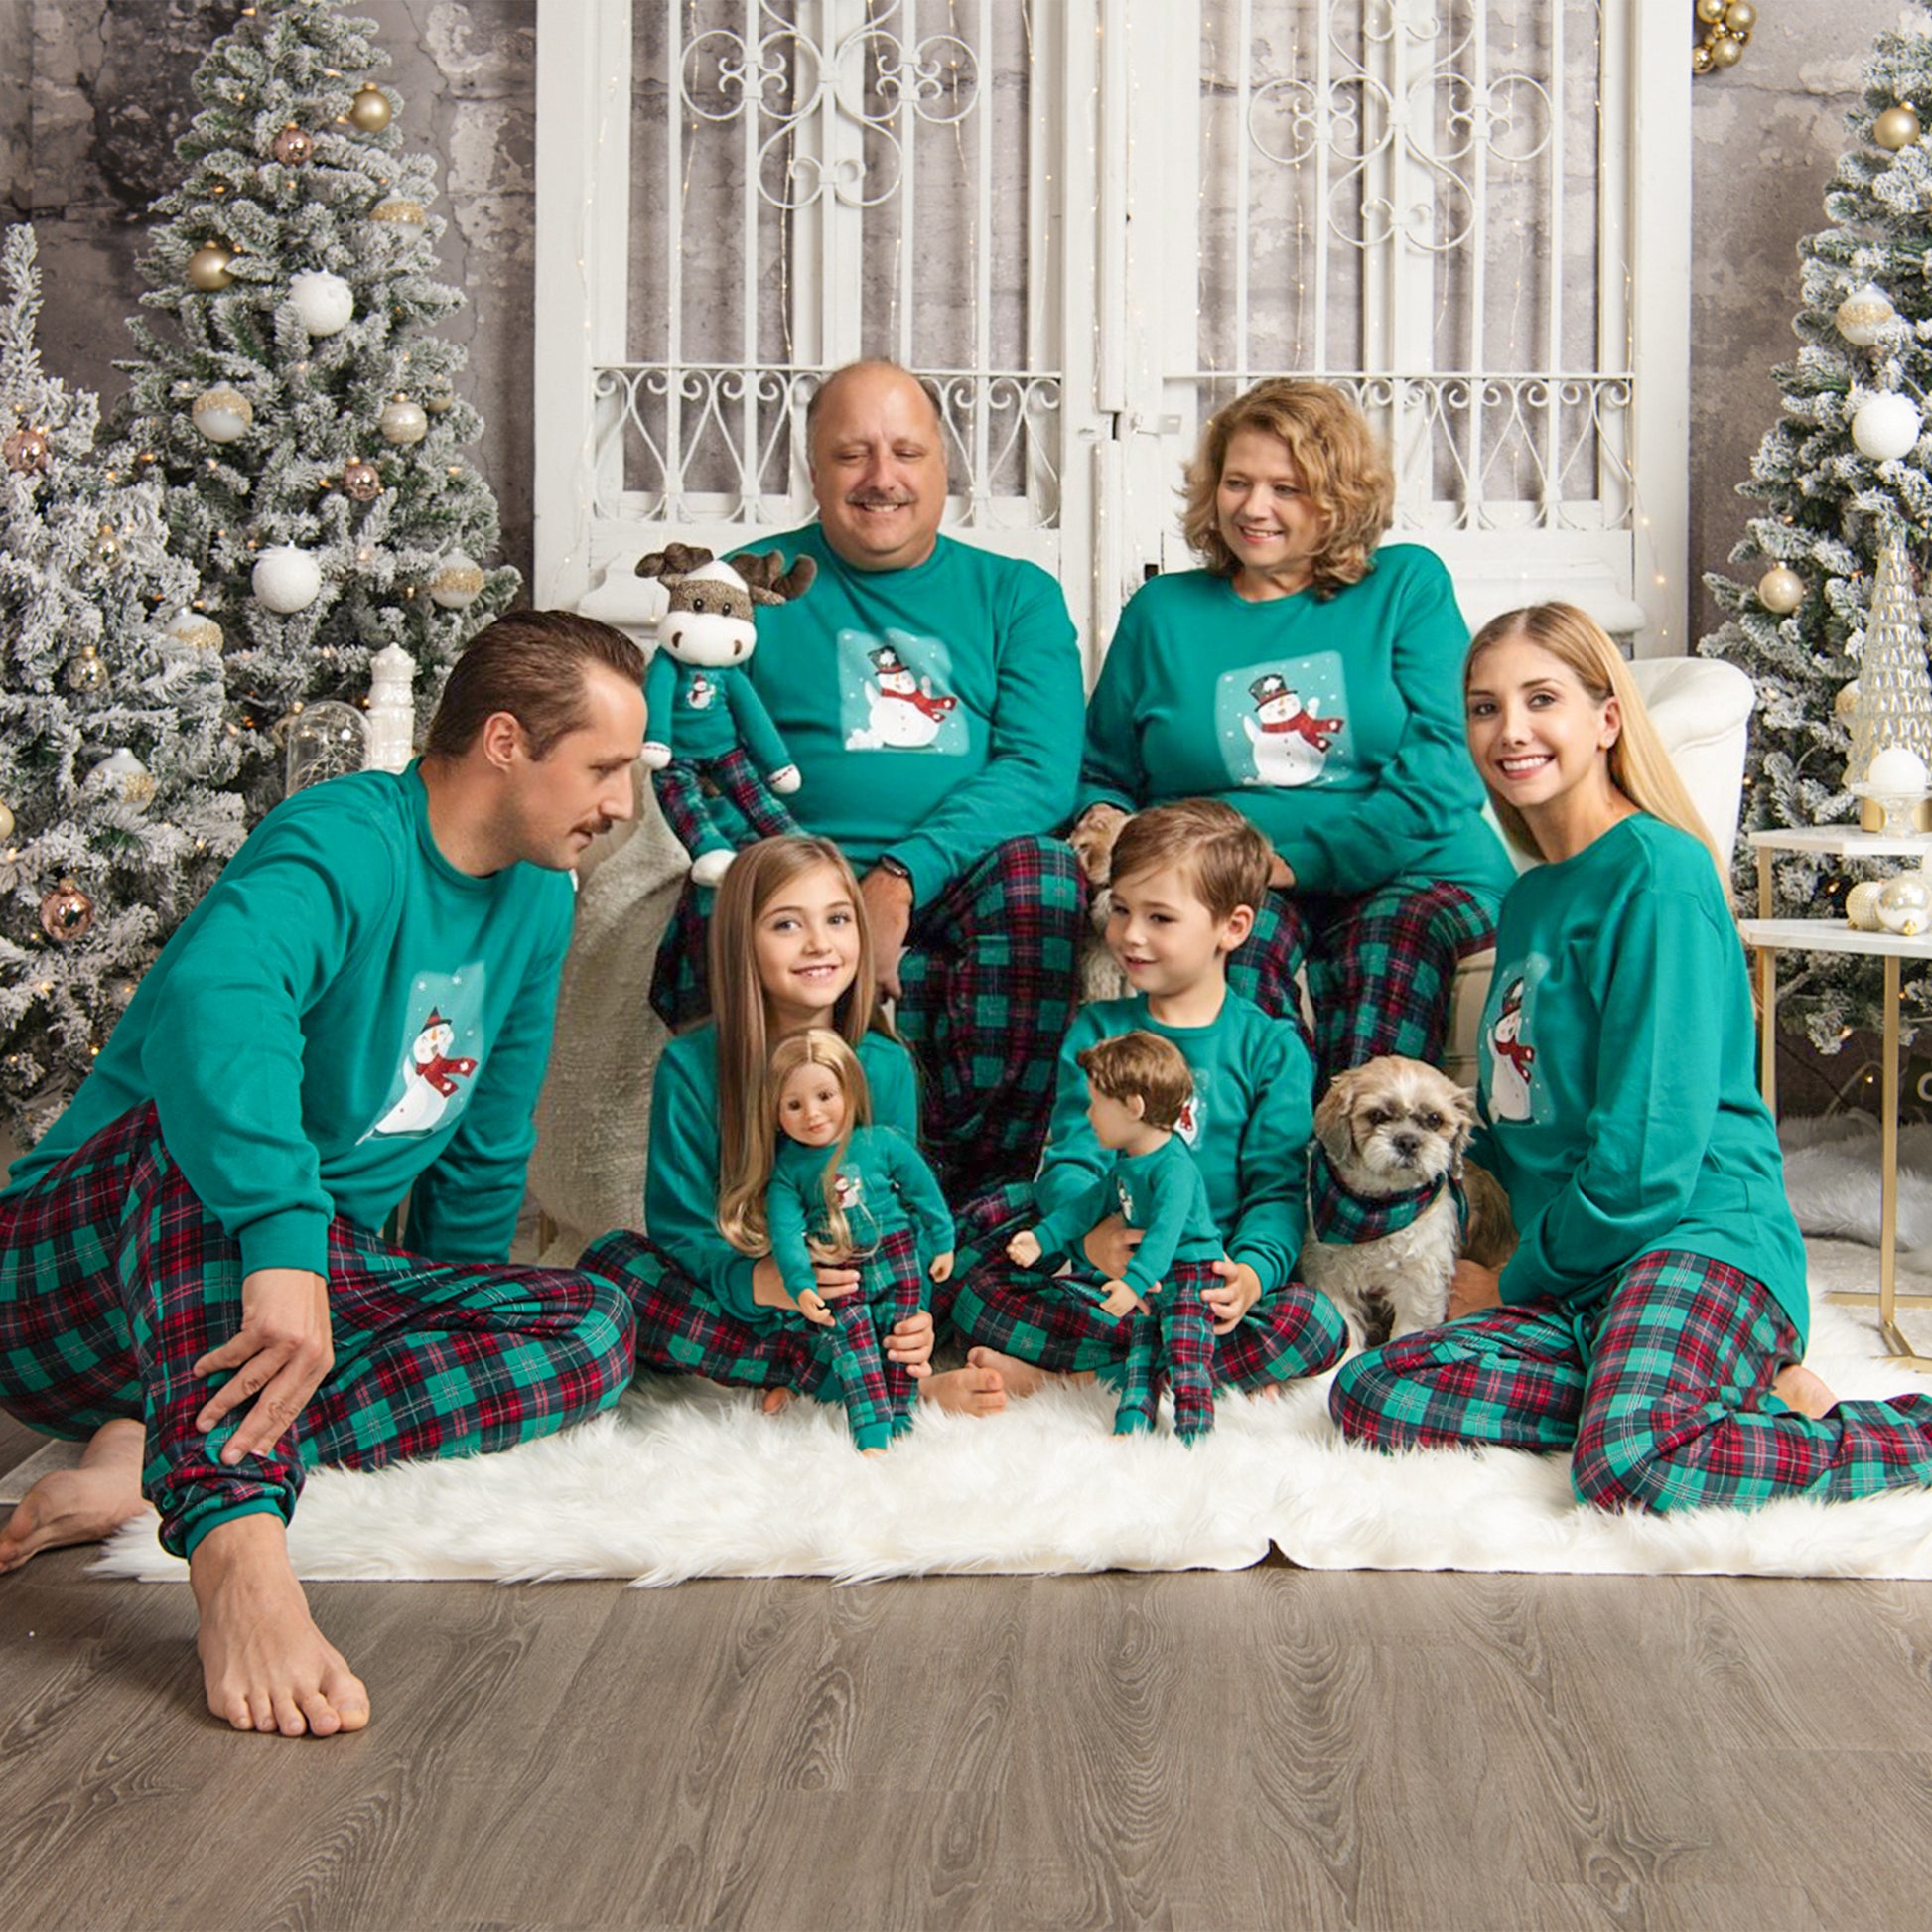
(392, 709)
(1864, 314)
(127, 776)
(1885, 426)
(1780, 590)
(193, 629)
(324, 303)
(286, 579)
(222, 415)
(402, 422)
(458, 581)
(1905, 905)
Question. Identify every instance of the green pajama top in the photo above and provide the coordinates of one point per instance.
(933, 711)
(346, 1017)
(1161, 1192)
(1618, 1075)
(1335, 727)
(883, 1184)
(1248, 1125)
(701, 711)
(681, 1181)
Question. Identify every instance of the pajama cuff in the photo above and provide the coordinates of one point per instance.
(198, 1523)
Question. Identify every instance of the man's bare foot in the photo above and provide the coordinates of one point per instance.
(1798, 1388)
(82, 1506)
(264, 1664)
(979, 1390)
(774, 1402)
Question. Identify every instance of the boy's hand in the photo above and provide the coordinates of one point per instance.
(1239, 1290)
(1280, 874)
(909, 1343)
(279, 1355)
(1024, 1250)
(1120, 1300)
(811, 1304)
(1110, 1247)
(941, 1269)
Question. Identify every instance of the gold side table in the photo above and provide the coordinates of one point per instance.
(1768, 937)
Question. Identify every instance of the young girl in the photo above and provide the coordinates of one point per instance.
(821, 1183)
(1654, 1315)
(790, 950)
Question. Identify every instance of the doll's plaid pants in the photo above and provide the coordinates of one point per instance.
(989, 987)
(714, 804)
(682, 1332)
(1663, 1393)
(1380, 967)
(1172, 1344)
(115, 1280)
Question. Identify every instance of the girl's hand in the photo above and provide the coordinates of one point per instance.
(768, 1288)
(941, 1269)
(1121, 1301)
(911, 1344)
(1110, 1247)
(1024, 1250)
(1093, 839)
(811, 1304)
(1239, 1290)
(1280, 874)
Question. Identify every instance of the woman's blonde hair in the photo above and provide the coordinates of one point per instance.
(1640, 768)
(757, 876)
(1344, 471)
(740, 1207)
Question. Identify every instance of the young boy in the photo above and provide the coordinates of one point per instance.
(1186, 880)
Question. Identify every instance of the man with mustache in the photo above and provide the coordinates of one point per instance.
(930, 694)
(193, 1276)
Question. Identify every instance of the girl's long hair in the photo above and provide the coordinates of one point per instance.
(1640, 768)
(740, 1206)
(758, 876)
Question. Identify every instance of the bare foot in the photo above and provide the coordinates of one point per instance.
(1020, 1378)
(980, 1390)
(82, 1506)
(774, 1402)
(264, 1664)
(1798, 1388)
(871, 1454)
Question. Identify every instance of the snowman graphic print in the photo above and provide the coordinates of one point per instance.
(1291, 744)
(436, 1078)
(1511, 1058)
(1283, 723)
(901, 703)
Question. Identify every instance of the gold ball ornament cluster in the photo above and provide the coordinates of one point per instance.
(67, 912)
(1728, 27)
(370, 109)
(1897, 127)
(1781, 590)
(361, 481)
(294, 146)
(208, 267)
(25, 450)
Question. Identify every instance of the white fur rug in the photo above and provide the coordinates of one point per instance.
(685, 1479)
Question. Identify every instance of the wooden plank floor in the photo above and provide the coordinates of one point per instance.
(1277, 1748)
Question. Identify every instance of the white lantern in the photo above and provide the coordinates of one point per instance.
(456, 583)
(392, 709)
(1885, 426)
(1864, 314)
(286, 579)
(324, 303)
(222, 415)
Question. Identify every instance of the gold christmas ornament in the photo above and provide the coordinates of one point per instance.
(1726, 51)
(25, 450)
(107, 545)
(6, 820)
(1895, 128)
(402, 423)
(1711, 11)
(1862, 315)
(1700, 58)
(361, 481)
(370, 109)
(85, 672)
(1862, 904)
(437, 395)
(399, 210)
(456, 583)
(124, 774)
(196, 632)
(222, 415)
(1740, 17)
(67, 912)
(208, 267)
(1781, 590)
(294, 146)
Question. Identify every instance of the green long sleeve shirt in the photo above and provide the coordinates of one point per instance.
(1335, 727)
(346, 1017)
(681, 1182)
(883, 1184)
(700, 712)
(1617, 1076)
(1162, 1194)
(933, 711)
(1248, 1126)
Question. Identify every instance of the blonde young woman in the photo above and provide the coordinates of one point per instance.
(1308, 675)
(1653, 1317)
(790, 950)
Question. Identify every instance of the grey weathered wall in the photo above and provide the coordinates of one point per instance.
(92, 97)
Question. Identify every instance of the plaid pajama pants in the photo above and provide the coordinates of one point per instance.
(1380, 966)
(989, 989)
(691, 791)
(1289, 1332)
(1174, 1344)
(114, 1279)
(1664, 1395)
(681, 1332)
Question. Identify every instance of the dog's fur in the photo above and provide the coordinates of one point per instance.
(1389, 1128)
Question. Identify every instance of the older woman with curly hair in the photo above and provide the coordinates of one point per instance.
(1312, 680)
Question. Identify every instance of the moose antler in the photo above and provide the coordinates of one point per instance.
(769, 582)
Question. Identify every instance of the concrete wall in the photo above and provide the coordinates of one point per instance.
(92, 96)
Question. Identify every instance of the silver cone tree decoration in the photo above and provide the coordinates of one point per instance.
(1894, 704)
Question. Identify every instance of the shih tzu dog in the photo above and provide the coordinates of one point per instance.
(1391, 1204)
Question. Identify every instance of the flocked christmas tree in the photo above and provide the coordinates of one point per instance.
(296, 400)
(116, 758)
(1846, 467)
